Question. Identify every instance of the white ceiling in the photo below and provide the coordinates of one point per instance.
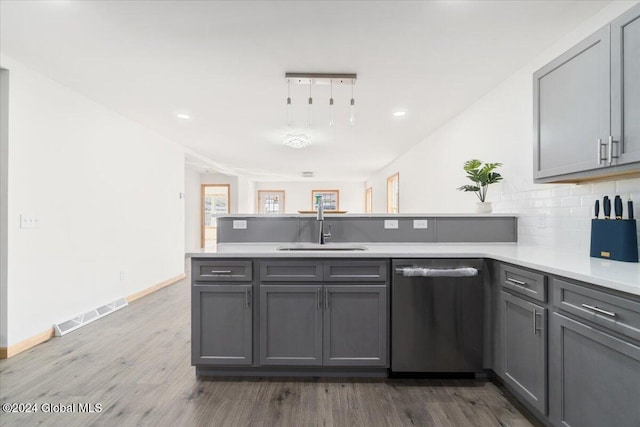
(223, 62)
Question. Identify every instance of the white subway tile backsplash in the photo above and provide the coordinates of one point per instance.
(569, 202)
(627, 186)
(561, 216)
(561, 192)
(579, 190)
(604, 188)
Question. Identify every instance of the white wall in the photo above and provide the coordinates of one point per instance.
(298, 194)
(498, 128)
(106, 192)
(4, 188)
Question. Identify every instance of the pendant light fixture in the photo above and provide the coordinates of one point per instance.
(289, 112)
(352, 114)
(310, 107)
(331, 121)
(320, 79)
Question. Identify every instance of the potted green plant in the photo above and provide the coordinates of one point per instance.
(482, 175)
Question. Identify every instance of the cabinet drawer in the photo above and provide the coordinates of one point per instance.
(616, 313)
(221, 271)
(355, 271)
(524, 282)
(291, 271)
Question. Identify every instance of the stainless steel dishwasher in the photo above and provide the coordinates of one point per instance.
(437, 315)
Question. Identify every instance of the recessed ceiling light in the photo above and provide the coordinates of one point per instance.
(296, 140)
(307, 174)
(183, 116)
(399, 113)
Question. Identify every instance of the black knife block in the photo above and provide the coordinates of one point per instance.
(614, 239)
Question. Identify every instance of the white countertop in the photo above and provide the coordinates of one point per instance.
(620, 276)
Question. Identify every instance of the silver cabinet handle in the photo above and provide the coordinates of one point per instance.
(533, 317)
(611, 156)
(599, 310)
(600, 145)
(220, 271)
(536, 328)
(319, 298)
(326, 298)
(517, 282)
(247, 299)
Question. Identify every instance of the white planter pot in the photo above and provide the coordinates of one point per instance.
(483, 207)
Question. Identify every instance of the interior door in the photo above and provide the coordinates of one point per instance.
(215, 200)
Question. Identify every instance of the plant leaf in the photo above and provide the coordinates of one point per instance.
(469, 188)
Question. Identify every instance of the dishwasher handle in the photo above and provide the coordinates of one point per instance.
(437, 272)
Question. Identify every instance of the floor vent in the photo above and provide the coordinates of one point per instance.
(88, 317)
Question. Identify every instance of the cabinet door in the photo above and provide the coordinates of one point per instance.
(625, 86)
(524, 349)
(595, 377)
(221, 325)
(291, 325)
(571, 109)
(355, 325)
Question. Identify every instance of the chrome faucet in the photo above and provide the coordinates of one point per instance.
(322, 235)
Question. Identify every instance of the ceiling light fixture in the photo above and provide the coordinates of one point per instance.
(296, 140)
(183, 116)
(321, 79)
(399, 113)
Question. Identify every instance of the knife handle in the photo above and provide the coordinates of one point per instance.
(617, 207)
(630, 209)
(606, 206)
(596, 209)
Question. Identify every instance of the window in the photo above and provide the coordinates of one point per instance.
(330, 199)
(215, 201)
(271, 202)
(393, 194)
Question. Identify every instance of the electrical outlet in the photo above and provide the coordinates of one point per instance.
(121, 275)
(239, 224)
(542, 220)
(420, 223)
(390, 224)
(29, 221)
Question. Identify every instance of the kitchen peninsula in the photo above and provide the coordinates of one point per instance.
(549, 318)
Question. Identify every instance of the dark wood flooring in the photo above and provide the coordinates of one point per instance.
(135, 363)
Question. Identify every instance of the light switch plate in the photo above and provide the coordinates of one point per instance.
(420, 223)
(390, 224)
(239, 224)
(29, 221)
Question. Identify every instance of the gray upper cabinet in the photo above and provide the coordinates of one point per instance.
(221, 325)
(355, 325)
(291, 325)
(571, 109)
(595, 377)
(523, 348)
(625, 86)
(587, 104)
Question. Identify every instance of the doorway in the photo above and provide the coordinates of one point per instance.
(215, 200)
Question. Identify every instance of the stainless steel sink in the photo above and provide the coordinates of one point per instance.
(329, 247)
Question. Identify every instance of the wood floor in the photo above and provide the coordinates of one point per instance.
(135, 363)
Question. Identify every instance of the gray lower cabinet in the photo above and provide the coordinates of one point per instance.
(523, 349)
(595, 377)
(221, 324)
(355, 325)
(330, 325)
(291, 325)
